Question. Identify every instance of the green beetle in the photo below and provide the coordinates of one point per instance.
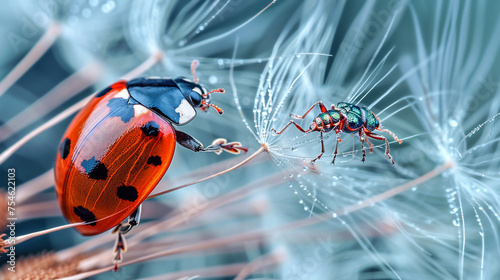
(348, 118)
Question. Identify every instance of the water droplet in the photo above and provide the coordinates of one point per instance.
(108, 7)
(456, 223)
(334, 215)
(304, 168)
(182, 42)
(414, 189)
(298, 55)
(213, 79)
(301, 201)
(306, 208)
(220, 62)
(291, 186)
(453, 123)
(201, 27)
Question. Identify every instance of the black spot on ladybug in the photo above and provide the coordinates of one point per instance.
(103, 92)
(127, 193)
(152, 128)
(120, 108)
(154, 160)
(85, 215)
(95, 169)
(64, 148)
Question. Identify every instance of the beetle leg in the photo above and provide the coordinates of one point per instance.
(367, 140)
(231, 147)
(322, 148)
(133, 220)
(380, 137)
(286, 126)
(120, 247)
(391, 133)
(336, 148)
(362, 139)
(321, 107)
(122, 229)
(219, 145)
(369, 144)
(188, 141)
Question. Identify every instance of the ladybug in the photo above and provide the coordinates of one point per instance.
(347, 118)
(120, 145)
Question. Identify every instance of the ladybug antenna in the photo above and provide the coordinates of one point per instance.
(220, 90)
(205, 103)
(193, 70)
(204, 107)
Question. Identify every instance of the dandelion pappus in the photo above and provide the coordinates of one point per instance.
(348, 118)
(120, 145)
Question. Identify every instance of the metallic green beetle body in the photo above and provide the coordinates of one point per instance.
(348, 118)
(357, 117)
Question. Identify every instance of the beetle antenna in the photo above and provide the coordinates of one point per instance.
(193, 70)
(220, 90)
(217, 108)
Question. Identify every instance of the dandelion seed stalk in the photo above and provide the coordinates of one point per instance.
(48, 38)
(252, 156)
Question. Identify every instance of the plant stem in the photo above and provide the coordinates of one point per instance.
(48, 38)
(262, 149)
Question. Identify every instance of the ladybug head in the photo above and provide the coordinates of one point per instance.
(199, 95)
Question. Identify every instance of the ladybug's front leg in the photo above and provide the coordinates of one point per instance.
(219, 145)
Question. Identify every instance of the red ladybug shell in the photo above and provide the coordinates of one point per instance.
(111, 157)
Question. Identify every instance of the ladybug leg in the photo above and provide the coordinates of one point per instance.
(219, 145)
(133, 220)
(321, 107)
(123, 228)
(120, 247)
(361, 135)
(286, 126)
(322, 148)
(380, 137)
(188, 141)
